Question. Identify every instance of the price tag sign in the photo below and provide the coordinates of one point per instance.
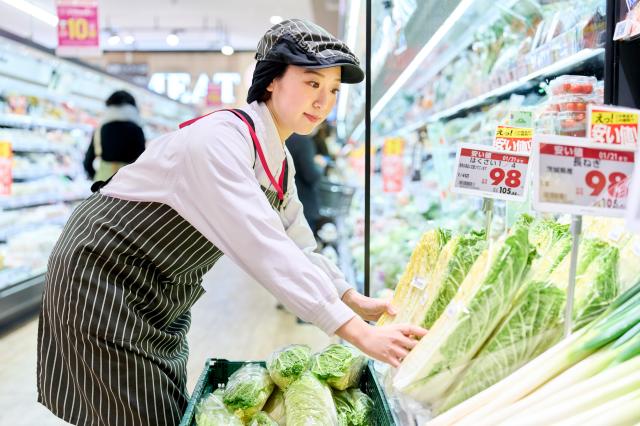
(513, 139)
(488, 172)
(6, 162)
(613, 125)
(78, 31)
(393, 165)
(521, 118)
(579, 177)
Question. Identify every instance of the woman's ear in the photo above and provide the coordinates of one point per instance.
(270, 87)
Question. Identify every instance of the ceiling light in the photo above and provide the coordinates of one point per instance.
(113, 39)
(275, 19)
(129, 39)
(173, 39)
(35, 11)
(227, 50)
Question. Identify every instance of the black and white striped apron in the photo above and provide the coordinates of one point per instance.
(120, 283)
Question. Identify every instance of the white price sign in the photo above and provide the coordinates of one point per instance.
(575, 176)
(487, 172)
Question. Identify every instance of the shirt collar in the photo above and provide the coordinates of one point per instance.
(267, 133)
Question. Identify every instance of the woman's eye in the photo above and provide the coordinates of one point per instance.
(314, 84)
(335, 91)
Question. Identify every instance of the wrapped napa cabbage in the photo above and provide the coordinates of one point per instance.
(532, 324)
(308, 402)
(275, 407)
(354, 407)
(262, 419)
(629, 264)
(248, 389)
(211, 411)
(339, 365)
(287, 364)
(416, 276)
(482, 301)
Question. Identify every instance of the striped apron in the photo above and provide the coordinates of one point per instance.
(120, 283)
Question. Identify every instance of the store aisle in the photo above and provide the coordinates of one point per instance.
(236, 319)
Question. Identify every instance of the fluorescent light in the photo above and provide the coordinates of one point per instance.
(113, 39)
(129, 39)
(35, 11)
(352, 26)
(275, 19)
(173, 39)
(420, 57)
(227, 50)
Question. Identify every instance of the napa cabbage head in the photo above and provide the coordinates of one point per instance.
(339, 365)
(308, 401)
(248, 389)
(288, 363)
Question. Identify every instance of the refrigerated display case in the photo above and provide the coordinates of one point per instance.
(48, 109)
(484, 65)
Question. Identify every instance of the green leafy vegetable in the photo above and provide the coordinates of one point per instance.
(308, 401)
(247, 390)
(287, 364)
(339, 365)
(211, 411)
(262, 419)
(275, 407)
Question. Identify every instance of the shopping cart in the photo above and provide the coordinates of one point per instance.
(334, 198)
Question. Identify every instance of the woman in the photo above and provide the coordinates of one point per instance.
(118, 140)
(129, 264)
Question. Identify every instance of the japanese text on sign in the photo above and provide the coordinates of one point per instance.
(78, 30)
(516, 139)
(487, 172)
(577, 178)
(613, 125)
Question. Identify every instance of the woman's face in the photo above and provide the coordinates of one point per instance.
(302, 98)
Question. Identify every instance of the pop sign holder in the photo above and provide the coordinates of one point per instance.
(490, 173)
(576, 176)
(613, 125)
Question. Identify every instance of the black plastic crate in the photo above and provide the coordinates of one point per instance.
(217, 371)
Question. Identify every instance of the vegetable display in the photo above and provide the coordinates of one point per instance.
(339, 365)
(248, 390)
(287, 364)
(308, 401)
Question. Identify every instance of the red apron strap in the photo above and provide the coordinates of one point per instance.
(277, 185)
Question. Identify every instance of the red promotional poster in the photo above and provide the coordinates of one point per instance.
(613, 125)
(6, 160)
(214, 95)
(392, 165)
(78, 30)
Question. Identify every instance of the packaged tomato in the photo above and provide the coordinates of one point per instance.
(573, 103)
(572, 123)
(573, 84)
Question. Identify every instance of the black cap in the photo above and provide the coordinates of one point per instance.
(305, 44)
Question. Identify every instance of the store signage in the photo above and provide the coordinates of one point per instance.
(579, 177)
(78, 30)
(520, 118)
(488, 172)
(633, 204)
(393, 165)
(513, 139)
(613, 125)
(6, 161)
(214, 95)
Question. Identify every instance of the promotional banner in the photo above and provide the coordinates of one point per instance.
(78, 30)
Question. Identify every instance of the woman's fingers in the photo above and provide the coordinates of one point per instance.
(412, 330)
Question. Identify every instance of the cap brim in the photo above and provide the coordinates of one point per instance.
(351, 73)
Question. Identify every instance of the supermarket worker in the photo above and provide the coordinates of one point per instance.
(128, 267)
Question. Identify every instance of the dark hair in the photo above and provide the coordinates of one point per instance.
(121, 97)
(264, 73)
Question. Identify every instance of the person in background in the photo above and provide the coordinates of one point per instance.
(118, 140)
(308, 174)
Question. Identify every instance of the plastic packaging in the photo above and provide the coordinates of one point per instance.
(308, 401)
(287, 364)
(339, 365)
(573, 84)
(248, 390)
(572, 123)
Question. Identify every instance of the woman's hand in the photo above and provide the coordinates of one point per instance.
(368, 308)
(390, 343)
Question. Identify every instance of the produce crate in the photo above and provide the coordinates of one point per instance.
(334, 199)
(217, 371)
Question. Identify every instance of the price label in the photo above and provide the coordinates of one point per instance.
(6, 163)
(488, 172)
(578, 177)
(393, 146)
(613, 125)
(78, 30)
(513, 139)
(393, 165)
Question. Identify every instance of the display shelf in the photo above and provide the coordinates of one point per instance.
(24, 202)
(20, 297)
(26, 122)
(585, 58)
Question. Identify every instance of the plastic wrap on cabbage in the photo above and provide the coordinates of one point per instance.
(248, 389)
(211, 411)
(309, 402)
(339, 365)
(354, 407)
(532, 324)
(629, 269)
(262, 419)
(453, 264)
(412, 283)
(482, 301)
(275, 407)
(288, 363)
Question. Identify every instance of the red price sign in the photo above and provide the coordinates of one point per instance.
(514, 139)
(6, 162)
(613, 125)
(488, 172)
(393, 165)
(580, 177)
(78, 30)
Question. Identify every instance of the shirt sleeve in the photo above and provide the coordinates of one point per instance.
(216, 190)
(298, 230)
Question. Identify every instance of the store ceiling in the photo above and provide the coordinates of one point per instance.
(199, 24)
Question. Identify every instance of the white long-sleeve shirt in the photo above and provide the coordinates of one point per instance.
(208, 173)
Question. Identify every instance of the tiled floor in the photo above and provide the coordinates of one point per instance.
(236, 319)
